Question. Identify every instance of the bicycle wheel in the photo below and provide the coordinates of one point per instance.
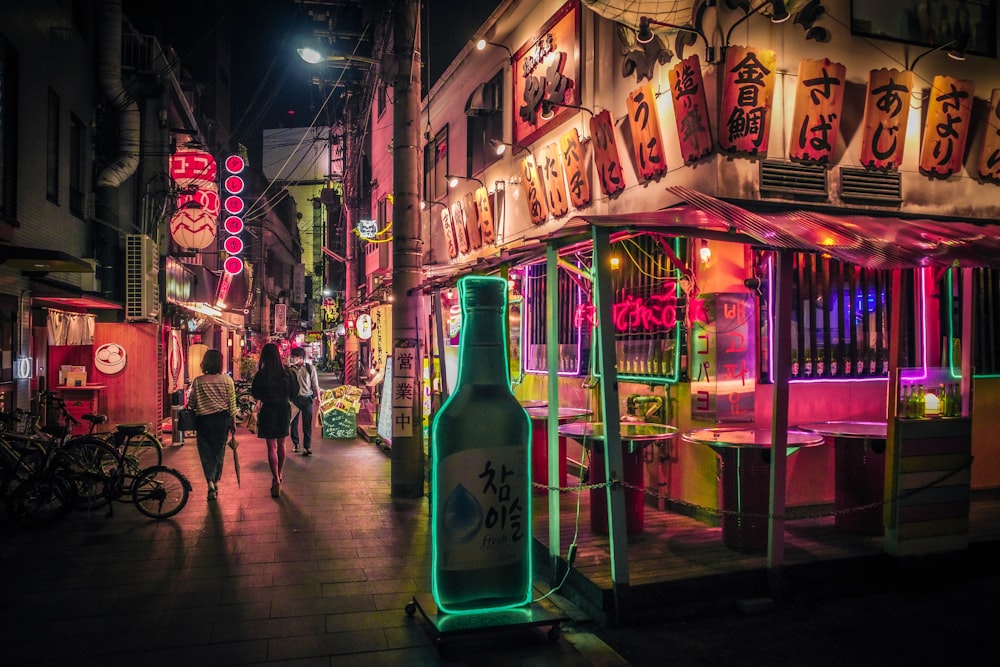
(144, 451)
(94, 468)
(40, 500)
(160, 492)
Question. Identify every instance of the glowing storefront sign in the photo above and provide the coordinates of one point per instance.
(723, 375)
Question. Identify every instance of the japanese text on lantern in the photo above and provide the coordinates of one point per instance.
(552, 175)
(691, 109)
(575, 168)
(947, 127)
(744, 121)
(458, 222)
(485, 212)
(193, 224)
(533, 190)
(644, 121)
(449, 233)
(819, 99)
(609, 166)
(723, 376)
(989, 156)
(887, 103)
(472, 227)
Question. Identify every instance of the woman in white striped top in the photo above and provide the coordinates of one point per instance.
(213, 399)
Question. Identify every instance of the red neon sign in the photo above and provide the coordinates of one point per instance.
(655, 313)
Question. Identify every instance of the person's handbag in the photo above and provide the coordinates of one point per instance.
(186, 420)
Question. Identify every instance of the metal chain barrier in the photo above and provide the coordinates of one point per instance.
(723, 512)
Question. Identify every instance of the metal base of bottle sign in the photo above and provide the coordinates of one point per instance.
(444, 625)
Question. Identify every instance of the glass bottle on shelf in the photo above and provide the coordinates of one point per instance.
(904, 407)
(944, 409)
(481, 477)
(795, 364)
(808, 370)
(919, 405)
(820, 363)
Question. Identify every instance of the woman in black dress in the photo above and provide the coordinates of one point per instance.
(271, 386)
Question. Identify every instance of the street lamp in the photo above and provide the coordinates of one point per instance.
(453, 180)
(314, 56)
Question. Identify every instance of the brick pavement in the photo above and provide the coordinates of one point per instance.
(320, 576)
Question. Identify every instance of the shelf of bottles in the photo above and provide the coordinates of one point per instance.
(839, 320)
(647, 309)
(929, 393)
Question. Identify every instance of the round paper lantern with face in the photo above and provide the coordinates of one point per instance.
(110, 358)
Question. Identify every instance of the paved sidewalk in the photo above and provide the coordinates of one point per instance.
(320, 576)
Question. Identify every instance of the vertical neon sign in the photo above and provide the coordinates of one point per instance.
(234, 206)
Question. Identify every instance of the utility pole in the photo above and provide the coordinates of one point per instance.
(407, 459)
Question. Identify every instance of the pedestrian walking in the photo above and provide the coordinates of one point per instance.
(305, 401)
(273, 385)
(213, 399)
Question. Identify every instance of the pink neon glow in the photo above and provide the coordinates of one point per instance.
(234, 245)
(235, 164)
(657, 312)
(234, 205)
(923, 329)
(234, 185)
(234, 224)
(234, 265)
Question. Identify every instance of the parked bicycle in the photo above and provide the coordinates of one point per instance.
(97, 470)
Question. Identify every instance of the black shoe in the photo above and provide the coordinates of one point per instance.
(295, 448)
(307, 452)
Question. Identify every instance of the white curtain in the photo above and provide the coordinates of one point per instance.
(70, 328)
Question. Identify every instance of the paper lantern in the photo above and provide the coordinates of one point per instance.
(193, 228)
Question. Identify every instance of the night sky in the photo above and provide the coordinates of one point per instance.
(271, 85)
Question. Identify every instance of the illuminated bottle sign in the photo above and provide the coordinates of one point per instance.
(481, 478)
(234, 206)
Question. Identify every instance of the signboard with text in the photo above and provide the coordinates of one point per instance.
(723, 370)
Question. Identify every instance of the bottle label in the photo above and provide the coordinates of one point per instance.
(483, 520)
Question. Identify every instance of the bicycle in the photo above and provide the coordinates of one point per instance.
(245, 402)
(35, 490)
(104, 471)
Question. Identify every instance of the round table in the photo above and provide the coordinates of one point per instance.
(859, 472)
(746, 479)
(635, 437)
(540, 442)
(534, 404)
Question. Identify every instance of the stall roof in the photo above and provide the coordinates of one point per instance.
(872, 240)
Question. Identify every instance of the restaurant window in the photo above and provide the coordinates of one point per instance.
(534, 314)
(484, 110)
(77, 168)
(839, 318)
(648, 306)
(985, 317)
(436, 166)
(52, 149)
(8, 129)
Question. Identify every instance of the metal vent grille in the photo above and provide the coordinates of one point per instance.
(790, 180)
(141, 280)
(871, 187)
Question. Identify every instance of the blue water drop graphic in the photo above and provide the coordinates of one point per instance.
(462, 515)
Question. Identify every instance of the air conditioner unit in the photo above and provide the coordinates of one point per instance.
(142, 267)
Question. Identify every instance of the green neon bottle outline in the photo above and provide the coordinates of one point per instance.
(527, 563)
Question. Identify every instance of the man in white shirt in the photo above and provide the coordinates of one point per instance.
(306, 400)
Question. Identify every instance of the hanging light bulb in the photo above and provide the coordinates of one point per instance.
(705, 253)
(615, 262)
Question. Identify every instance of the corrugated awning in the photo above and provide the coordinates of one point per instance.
(872, 240)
